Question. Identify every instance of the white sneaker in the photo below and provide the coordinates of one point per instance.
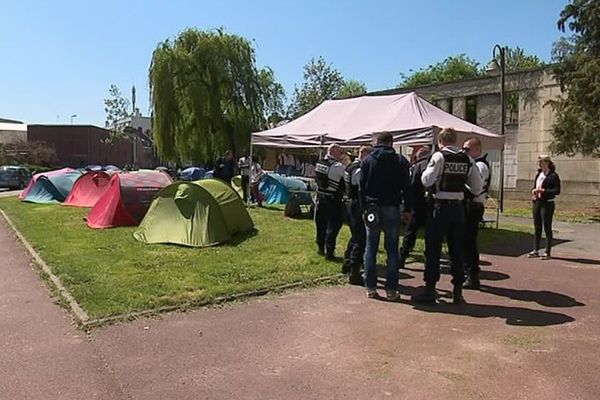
(533, 254)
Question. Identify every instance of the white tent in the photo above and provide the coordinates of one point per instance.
(356, 121)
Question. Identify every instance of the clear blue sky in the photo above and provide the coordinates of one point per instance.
(58, 58)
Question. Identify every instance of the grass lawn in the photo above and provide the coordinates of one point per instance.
(109, 272)
(565, 211)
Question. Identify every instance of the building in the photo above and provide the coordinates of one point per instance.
(12, 131)
(528, 127)
(81, 145)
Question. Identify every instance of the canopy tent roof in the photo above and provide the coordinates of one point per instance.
(354, 122)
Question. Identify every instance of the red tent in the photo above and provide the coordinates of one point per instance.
(88, 189)
(127, 199)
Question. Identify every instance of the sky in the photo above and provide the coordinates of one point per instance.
(58, 58)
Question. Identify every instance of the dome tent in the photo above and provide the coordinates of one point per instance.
(275, 188)
(127, 199)
(196, 214)
(88, 189)
(192, 174)
(50, 187)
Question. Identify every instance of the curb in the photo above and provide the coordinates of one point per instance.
(84, 321)
(79, 314)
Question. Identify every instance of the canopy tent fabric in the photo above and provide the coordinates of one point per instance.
(354, 122)
(196, 214)
(192, 174)
(37, 176)
(88, 189)
(275, 188)
(127, 199)
(51, 188)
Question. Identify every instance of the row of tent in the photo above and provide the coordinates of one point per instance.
(198, 213)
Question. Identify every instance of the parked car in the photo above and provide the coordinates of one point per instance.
(14, 177)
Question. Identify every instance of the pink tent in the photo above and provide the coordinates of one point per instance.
(353, 122)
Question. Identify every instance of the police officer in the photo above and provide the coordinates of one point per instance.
(329, 175)
(447, 173)
(356, 244)
(474, 209)
(419, 213)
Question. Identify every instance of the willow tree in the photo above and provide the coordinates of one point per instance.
(205, 95)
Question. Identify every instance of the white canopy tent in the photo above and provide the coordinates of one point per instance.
(356, 121)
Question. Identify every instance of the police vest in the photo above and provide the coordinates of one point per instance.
(456, 171)
(326, 185)
(351, 191)
(486, 184)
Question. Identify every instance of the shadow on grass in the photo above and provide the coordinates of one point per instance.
(238, 238)
(541, 297)
(513, 244)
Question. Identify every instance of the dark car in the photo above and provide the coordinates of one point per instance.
(14, 177)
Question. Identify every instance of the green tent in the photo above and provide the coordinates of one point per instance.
(197, 214)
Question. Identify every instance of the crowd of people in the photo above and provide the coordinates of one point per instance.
(443, 192)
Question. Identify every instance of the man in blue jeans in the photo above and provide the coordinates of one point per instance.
(383, 182)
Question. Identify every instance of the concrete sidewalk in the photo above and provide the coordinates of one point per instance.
(532, 332)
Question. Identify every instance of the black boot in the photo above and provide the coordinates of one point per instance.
(346, 267)
(329, 254)
(355, 276)
(321, 250)
(426, 295)
(472, 282)
(457, 297)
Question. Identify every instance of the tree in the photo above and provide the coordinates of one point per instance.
(273, 96)
(321, 82)
(205, 95)
(451, 69)
(352, 88)
(577, 125)
(115, 106)
(517, 59)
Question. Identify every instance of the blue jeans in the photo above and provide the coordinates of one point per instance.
(389, 223)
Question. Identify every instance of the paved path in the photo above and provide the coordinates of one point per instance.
(532, 332)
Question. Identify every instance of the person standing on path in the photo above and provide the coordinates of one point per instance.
(356, 244)
(474, 209)
(446, 175)
(419, 210)
(546, 186)
(383, 182)
(244, 169)
(329, 173)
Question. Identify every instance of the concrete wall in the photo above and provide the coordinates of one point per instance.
(526, 139)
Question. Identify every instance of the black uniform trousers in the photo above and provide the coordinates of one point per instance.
(543, 211)
(446, 219)
(356, 244)
(418, 221)
(473, 215)
(245, 185)
(328, 220)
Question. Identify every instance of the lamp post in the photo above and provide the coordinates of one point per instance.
(499, 62)
(72, 117)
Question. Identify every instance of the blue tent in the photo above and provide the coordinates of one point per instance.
(192, 174)
(52, 189)
(276, 189)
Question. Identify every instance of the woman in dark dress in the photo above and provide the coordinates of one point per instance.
(546, 186)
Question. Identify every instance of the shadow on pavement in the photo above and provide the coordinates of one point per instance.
(585, 261)
(485, 275)
(542, 297)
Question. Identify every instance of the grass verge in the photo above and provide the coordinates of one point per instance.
(109, 273)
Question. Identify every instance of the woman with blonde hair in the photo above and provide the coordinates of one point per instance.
(546, 186)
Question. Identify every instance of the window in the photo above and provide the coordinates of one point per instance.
(471, 112)
(512, 108)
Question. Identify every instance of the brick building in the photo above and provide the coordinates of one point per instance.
(80, 145)
(528, 127)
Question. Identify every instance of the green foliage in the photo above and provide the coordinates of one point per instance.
(451, 69)
(23, 152)
(352, 88)
(115, 106)
(577, 125)
(273, 96)
(517, 59)
(321, 82)
(206, 95)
